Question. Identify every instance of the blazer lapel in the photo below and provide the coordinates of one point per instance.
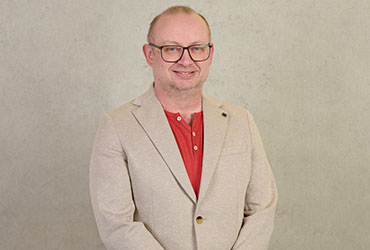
(215, 126)
(152, 118)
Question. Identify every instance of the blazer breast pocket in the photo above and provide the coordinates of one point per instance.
(232, 150)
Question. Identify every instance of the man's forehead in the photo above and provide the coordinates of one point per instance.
(170, 26)
(179, 16)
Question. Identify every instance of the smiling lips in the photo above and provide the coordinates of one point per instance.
(184, 74)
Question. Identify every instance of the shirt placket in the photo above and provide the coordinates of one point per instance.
(194, 140)
(189, 129)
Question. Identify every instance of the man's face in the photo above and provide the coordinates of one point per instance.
(184, 30)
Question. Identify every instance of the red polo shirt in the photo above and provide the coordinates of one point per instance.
(190, 143)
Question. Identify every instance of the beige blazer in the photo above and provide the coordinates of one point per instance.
(143, 199)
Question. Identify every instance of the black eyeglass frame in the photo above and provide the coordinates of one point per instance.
(209, 45)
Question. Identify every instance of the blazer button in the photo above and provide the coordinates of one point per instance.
(199, 219)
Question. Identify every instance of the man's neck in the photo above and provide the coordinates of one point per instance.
(185, 102)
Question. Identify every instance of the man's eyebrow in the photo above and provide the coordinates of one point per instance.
(170, 42)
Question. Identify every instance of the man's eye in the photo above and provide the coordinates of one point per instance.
(197, 49)
(172, 49)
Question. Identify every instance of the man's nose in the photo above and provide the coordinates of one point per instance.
(186, 58)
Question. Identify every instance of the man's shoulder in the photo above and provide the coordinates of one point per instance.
(132, 104)
(228, 107)
(123, 109)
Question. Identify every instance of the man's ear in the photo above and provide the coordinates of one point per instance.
(211, 52)
(148, 53)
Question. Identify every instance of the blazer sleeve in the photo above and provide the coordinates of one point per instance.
(111, 194)
(260, 200)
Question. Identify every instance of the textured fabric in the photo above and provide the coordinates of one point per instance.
(141, 194)
(189, 140)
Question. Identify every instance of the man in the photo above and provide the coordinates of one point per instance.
(175, 169)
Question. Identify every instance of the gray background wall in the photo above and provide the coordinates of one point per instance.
(301, 67)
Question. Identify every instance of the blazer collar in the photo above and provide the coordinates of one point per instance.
(152, 118)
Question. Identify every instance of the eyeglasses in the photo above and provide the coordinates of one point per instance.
(174, 53)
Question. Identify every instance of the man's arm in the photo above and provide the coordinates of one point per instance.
(111, 194)
(260, 200)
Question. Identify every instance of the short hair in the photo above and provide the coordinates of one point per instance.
(176, 10)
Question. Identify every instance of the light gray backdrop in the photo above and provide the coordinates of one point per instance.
(301, 67)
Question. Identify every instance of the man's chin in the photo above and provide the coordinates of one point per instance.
(187, 86)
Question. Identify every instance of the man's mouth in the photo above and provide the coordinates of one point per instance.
(184, 72)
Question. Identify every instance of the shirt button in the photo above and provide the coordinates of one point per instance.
(193, 133)
(179, 118)
(195, 148)
(199, 219)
